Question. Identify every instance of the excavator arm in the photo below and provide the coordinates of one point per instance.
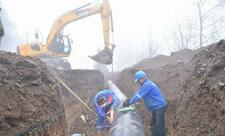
(57, 44)
(80, 13)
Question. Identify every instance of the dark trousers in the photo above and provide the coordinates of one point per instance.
(158, 122)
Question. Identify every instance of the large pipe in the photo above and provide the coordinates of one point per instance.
(117, 91)
(127, 122)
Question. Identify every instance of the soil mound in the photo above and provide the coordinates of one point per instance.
(193, 82)
(201, 109)
(30, 102)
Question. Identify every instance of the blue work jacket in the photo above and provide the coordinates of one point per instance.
(113, 102)
(152, 95)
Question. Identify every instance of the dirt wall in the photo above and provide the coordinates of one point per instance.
(201, 109)
(30, 102)
(193, 83)
(85, 83)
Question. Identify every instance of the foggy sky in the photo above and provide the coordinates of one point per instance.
(134, 22)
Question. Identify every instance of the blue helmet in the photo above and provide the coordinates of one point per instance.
(138, 75)
(101, 100)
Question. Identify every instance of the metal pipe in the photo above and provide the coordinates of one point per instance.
(117, 91)
(127, 122)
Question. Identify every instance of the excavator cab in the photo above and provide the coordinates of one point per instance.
(61, 44)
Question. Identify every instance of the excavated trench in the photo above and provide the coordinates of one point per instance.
(193, 83)
(32, 102)
(85, 83)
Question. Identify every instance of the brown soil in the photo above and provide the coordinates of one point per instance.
(190, 81)
(201, 109)
(85, 83)
(29, 98)
(32, 100)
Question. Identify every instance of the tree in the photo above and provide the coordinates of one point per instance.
(151, 45)
(210, 19)
(183, 35)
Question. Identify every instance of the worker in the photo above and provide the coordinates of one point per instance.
(106, 104)
(154, 101)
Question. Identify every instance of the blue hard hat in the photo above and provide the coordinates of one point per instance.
(101, 99)
(138, 75)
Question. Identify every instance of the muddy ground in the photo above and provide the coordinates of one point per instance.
(193, 83)
(176, 74)
(32, 100)
(201, 110)
(85, 83)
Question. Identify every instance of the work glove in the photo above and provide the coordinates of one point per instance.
(108, 106)
(126, 103)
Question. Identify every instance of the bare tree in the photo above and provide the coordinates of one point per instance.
(183, 35)
(150, 45)
(209, 17)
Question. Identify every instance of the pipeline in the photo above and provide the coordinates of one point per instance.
(117, 91)
(127, 122)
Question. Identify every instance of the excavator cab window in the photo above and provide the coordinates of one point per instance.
(35, 46)
(61, 44)
(66, 44)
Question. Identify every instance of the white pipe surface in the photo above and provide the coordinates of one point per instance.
(117, 91)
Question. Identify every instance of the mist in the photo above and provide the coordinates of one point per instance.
(142, 29)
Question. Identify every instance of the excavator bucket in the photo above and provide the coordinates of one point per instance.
(104, 57)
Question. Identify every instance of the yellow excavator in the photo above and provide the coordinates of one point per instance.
(58, 46)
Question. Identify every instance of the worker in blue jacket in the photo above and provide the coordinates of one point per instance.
(154, 101)
(106, 104)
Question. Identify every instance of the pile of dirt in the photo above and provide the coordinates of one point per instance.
(182, 56)
(169, 72)
(85, 83)
(30, 102)
(201, 109)
(187, 78)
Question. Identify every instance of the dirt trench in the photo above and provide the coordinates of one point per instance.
(85, 83)
(193, 83)
(32, 102)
